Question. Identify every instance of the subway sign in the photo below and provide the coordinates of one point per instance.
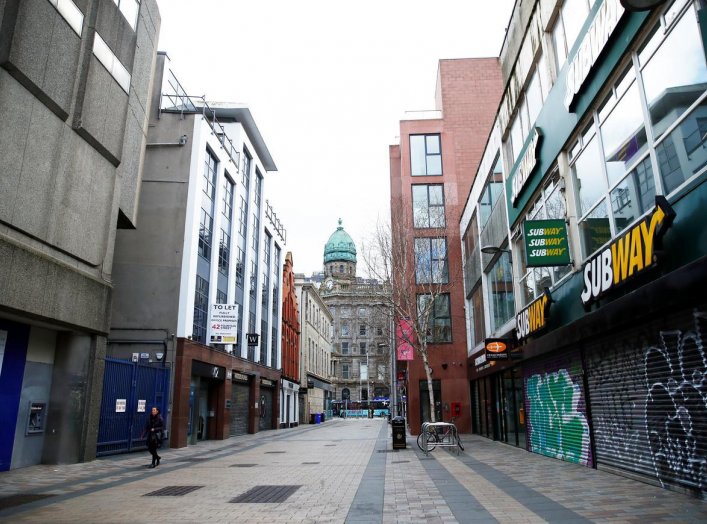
(546, 243)
(627, 256)
(534, 317)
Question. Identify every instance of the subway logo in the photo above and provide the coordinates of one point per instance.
(628, 255)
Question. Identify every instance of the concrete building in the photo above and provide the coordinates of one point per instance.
(75, 79)
(291, 355)
(431, 171)
(207, 242)
(590, 201)
(316, 322)
(361, 326)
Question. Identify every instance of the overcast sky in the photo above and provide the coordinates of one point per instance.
(327, 82)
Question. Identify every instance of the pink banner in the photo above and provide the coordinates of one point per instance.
(404, 334)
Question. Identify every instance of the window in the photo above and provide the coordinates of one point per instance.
(569, 22)
(224, 252)
(428, 206)
(344, 330)
(255, 239)
(210, 174)
(245, 174)
(425, 155)
(130, 9)
(205, 225)
(379, 331)
(435, 309)
(258, 188)
(617, 165)
(477, 321)
(431, 261)
(493, 191)
(345, 371)
(548, 204)
(227, 209)
(362, 348)
(345, 348)
(240, 267)
(221, 297)
(201, 309)
(362, 329)
(243, 214)
(362, 312)
(500, 287)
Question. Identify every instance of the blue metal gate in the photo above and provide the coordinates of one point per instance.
(134, 386)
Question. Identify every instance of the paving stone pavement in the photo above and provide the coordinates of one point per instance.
(341, 471)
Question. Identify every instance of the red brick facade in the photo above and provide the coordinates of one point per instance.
(468, 94)
(290, 324)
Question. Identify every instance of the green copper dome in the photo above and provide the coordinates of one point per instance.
(340, 247)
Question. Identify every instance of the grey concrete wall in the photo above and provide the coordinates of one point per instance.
(27, 449)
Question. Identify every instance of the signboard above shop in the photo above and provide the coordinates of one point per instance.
(627, 256)
(546, 243)
(533, 317)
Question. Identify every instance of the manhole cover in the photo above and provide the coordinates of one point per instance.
(310, 462)
(266, 494)
(273, 452)
(19, 499)
(173, 491)
(243, 465)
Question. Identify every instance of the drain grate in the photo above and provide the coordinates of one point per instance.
(21, 498)
(243, 465)
(400, 461)
(194, 459)
(310, 462)
(273, 452)
(329, 445)
(266, 494)
(173, 491)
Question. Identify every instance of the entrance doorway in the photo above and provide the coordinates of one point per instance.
(425, 402)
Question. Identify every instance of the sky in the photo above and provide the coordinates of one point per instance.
(327, 83)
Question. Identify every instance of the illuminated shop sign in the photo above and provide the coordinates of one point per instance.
(593, 43)
(628, 255)
(534, 317)
(496, 349)
(525, 167)
(546, 243)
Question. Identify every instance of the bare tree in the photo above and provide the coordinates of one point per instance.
(415, 262)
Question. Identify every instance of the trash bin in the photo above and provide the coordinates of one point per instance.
(311, 418)
(322, 417)
(317, 418)
(398, 429)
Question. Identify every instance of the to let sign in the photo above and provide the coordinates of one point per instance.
(223, 323)
(546, 243)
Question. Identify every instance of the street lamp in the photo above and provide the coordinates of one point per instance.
(493, 250)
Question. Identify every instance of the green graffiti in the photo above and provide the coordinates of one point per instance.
(556, 427)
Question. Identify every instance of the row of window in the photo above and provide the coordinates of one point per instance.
(362, 330)
(645, 136)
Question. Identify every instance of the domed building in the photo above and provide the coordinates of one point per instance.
(361, 331)
(340, 255)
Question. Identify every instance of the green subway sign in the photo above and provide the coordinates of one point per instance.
(546, 243)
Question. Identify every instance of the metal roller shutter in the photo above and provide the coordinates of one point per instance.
(239, 408)
(648, 394)
(555, 406)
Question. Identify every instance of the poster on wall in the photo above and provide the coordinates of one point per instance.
(141, 404)
(223, 324)
(120, 405)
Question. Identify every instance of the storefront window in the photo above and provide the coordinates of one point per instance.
(633, 196)
(590, 181)
(478, 320)
(594, 229)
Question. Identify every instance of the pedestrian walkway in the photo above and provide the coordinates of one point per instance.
(342, 471)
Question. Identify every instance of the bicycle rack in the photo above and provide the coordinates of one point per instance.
(445, 433)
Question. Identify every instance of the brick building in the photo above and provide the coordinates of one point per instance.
(431, 172)
(289, 392)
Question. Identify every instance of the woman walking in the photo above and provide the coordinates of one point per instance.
(153, 430)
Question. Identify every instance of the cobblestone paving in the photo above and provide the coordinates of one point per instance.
(346, 472)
